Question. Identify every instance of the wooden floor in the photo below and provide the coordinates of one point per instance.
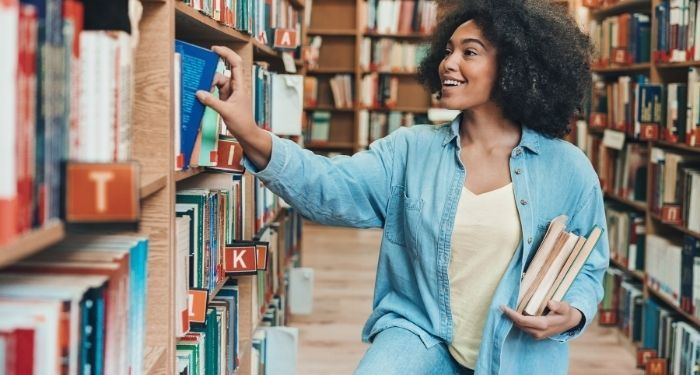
(345, 262)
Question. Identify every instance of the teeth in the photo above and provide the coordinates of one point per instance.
(451, 82)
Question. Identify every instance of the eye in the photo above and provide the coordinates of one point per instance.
(470, 52)
(447, 52)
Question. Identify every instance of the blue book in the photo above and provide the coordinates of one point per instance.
(198, 68)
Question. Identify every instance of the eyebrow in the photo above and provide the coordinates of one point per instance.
(467, 40)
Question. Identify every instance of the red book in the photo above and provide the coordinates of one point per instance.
(26, 118)
(24, 347)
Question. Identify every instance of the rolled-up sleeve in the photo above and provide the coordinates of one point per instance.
(586, 291)
(343, 190)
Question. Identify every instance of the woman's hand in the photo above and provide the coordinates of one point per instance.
(236, 109)
(561, 318)
(234, 103)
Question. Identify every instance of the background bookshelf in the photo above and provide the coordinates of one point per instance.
(342, 26)
(152, 141)
(650, 283)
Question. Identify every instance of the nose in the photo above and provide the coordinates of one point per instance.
(449, 63)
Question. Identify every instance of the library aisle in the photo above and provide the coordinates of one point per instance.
(345, 261)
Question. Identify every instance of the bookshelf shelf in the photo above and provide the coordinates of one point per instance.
(393, 73)
(264, 50)
(639, 206)
(667, 301)
(677, 65)
(639, 275)
(622, 69)
(677, 146)
(398, 108)
(152, 184)
(298, 4)
(329, 108)
(152, 359)
(32, 242)
(329, 145)
(183, 175)
(190, 25)
(331, 32)
(216, 290)
(677, 227)
(621, 7)
(330, 71)
(417, 36)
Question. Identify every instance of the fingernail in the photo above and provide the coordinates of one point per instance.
(202, 95)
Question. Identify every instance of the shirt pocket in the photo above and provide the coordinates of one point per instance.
(403, 218)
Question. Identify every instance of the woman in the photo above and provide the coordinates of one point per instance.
(464, 205)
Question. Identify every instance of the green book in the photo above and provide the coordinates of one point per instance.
(209, 136)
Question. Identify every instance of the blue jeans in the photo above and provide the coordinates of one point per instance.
(401, 352)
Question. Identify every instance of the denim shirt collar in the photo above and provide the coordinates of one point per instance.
(529, 138)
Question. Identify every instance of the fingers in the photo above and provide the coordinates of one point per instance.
(223, 83)
(236, 65)
(534, 322)
(210, 101)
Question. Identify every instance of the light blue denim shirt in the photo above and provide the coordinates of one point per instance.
(409, 183)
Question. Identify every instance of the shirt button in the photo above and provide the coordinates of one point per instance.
(518, 151)
(529, 240)
(518, 171)
(523, 201)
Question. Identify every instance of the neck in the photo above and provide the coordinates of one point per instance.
(487, 128)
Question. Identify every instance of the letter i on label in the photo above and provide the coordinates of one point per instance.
(102, 193)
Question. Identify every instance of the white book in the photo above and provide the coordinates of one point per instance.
(553, 271)
(182, 270)
(556, 226)
(9, 24)
(177, 126)
(694, 202)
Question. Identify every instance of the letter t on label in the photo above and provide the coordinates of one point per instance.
(101, 178)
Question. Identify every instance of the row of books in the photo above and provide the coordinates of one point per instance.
(55, 51)
(678, 28)
(390, 55)
(650, 325)
(622, 173)
(624, 39)
(274, 350)
(626, 236)
(675, 194)
(201, 136)
(673, 270)
(401, 17)
(559, 258)
(213, 347)
(648, 110)
(341, 87)
(376, 125)
(318, 127)
(379, 90)
(259, 19)
(78, 307)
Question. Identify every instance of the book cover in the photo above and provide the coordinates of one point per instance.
(198, 66)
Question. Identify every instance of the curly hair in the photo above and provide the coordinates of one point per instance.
(543, 59)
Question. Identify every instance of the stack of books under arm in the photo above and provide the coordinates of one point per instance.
(554, 267)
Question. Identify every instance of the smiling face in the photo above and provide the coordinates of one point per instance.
(468, 70)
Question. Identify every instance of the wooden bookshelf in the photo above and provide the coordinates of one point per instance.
(677, 227)
(623, 6)
(330, 70)
(393, 73)
(183, 175)
(329, 108)
(677, 65)
(669, 303)
(152, 184)
(623, 69)
(639, 206)
(194, 26)
(154, 358)
(32, 242)
(216, 290)
(639, 275)
(415, 36)
(331, 32)
(677, 146)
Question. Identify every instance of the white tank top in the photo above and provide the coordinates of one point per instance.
(485, 237)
